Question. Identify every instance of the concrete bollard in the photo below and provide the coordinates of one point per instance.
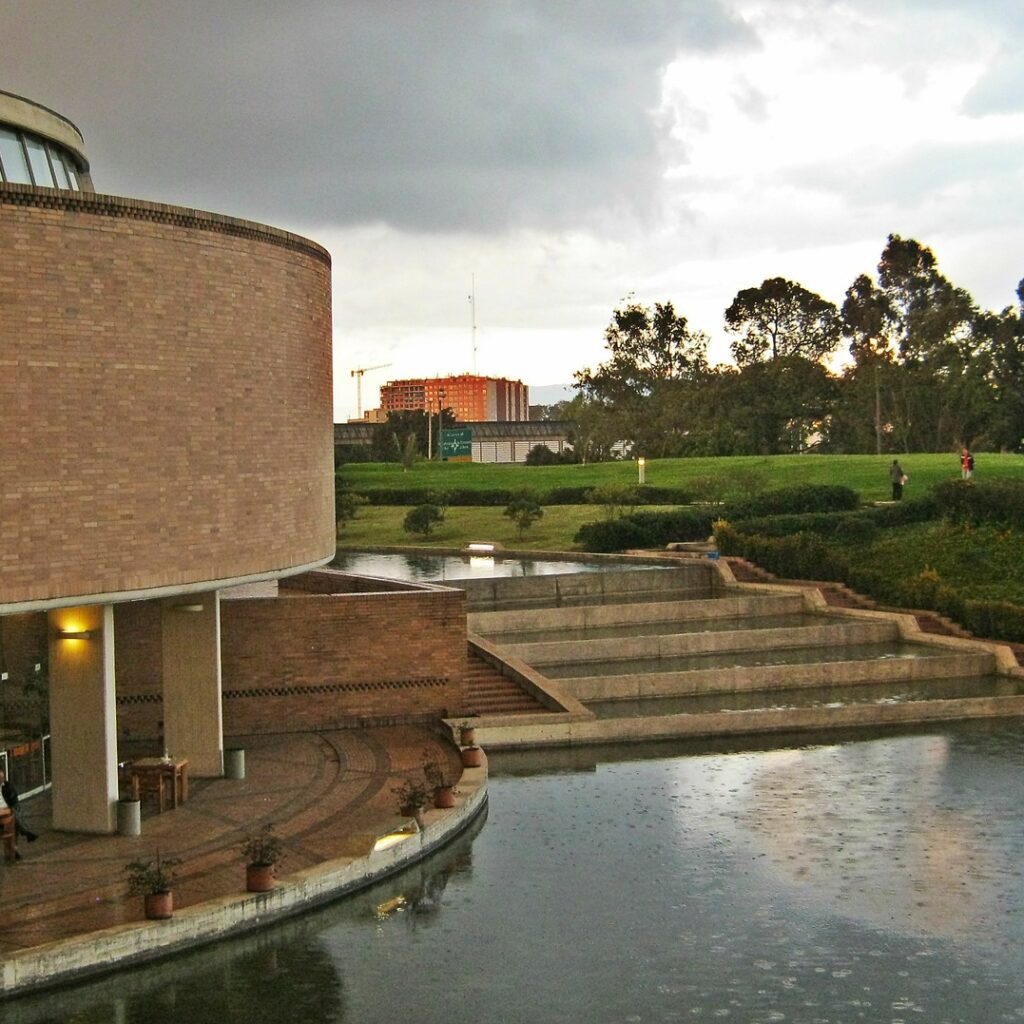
(234, 764)
(129, 817)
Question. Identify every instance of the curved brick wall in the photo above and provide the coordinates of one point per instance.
(165, 397)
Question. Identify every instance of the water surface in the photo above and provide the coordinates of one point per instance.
(877, 880)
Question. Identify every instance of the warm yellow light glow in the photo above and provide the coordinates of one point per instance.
(188, 607)
(479, 546)
(391, 839)
(69, 633)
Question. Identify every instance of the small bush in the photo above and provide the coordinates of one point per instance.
(794, 500)
(644, 530)
(996, 501)
(524, 510)
(542, 455)
(422, 519)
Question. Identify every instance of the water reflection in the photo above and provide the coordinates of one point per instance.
(288, 973)
(877, 879)
(432, 568)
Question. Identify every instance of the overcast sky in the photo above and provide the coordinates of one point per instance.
(565, 154)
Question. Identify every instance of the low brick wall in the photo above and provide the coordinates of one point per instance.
(319, 661)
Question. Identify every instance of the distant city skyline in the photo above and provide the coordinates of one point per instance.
(558, 156)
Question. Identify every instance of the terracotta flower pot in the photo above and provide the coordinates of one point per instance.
(158, 906)
(415, 812)
(444, 796)
(472, 757)
(259, 877)
(468, 735)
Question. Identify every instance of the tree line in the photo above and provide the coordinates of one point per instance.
(928, 370)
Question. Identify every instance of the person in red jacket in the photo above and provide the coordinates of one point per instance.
(966, 464)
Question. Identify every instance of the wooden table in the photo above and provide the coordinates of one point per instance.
(166, 779)
(8, 834)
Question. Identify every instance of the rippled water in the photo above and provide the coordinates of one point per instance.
(875, 880)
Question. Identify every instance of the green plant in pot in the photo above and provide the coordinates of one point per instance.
(440, 784)
(412, 798)
(263, 851)
(153, 880)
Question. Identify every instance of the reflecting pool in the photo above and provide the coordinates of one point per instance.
(878, 879)
(426, 568)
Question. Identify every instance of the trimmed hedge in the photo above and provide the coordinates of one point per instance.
(795, 500)
(644, 530)
(500, 497)
(994, 501)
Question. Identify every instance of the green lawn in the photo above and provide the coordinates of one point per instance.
(381, 525)
(866, 474)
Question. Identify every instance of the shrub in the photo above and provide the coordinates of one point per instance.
(542, 455)
(996, 501)
(793, 500)
(803, 556)
(644, 530)
(524, 510)
(422, 519)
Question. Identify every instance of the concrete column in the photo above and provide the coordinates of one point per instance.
(193, 722)
(82, 719)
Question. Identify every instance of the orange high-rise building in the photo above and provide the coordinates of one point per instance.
(471, 398)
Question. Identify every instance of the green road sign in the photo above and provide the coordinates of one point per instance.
(457, 443)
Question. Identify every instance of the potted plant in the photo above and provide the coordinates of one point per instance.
(467, 733)
(440, 786)
(263, 850)
(152, 879)
(412, 798)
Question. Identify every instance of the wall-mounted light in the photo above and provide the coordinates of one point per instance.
(480, 547)
(187, 607)
(74, 634)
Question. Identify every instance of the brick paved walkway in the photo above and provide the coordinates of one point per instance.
(321, 791)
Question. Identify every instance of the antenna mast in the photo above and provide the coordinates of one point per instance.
(472, 314)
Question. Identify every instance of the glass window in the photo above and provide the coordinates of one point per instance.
(40, 165)
(13, 158)
(59, 172)
(72, 175)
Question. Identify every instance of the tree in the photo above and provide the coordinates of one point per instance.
(919, 343)
(641, 392)
(780, 318)
(1005, 332)
(391, 437)
(422, 519)
(524, 510)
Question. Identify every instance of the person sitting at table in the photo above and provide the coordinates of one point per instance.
(10, 798)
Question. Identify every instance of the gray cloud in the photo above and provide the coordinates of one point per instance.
(427, 116)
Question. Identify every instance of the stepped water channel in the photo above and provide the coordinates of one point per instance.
(688, 651)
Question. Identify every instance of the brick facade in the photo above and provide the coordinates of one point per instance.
(320, 661)
(165, 380)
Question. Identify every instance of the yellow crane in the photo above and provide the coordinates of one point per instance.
(358, 374)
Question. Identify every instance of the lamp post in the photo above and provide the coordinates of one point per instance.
(640, 464)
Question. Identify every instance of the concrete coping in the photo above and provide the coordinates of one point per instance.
(363, 864)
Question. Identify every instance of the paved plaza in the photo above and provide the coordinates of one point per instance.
(321, 791)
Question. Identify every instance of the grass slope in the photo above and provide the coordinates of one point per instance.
(866, 474)
(381, 525)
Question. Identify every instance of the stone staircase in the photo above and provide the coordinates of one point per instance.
(688, 651)
(488, 692)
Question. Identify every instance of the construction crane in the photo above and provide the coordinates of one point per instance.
(358, 374)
